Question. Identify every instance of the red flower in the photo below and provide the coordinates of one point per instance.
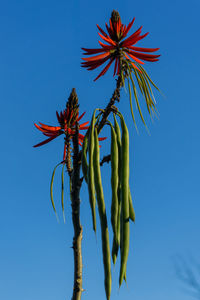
(67, 120)
(118, 48)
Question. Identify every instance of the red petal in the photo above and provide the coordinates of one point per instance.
(132, 63)
(107, 47)
(83, 125)
(52, 128)
(134, 35)
(81, 136)
(105, 69)
(51, 134)
(136, 39)
(94, 65)
(58, 117)
(143, 49)
(135, 58)
(108, 40)
(109, 31)
(111, 27)
(143, 56)
(128, 27)
(97, 57)
(93, 51)
(84, 128)
(103, 32)
(45, 142)
(102, 138)
(81, 116)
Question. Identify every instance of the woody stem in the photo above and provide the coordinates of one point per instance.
(115, 97)
(75, 203)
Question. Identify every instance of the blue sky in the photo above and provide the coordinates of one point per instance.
(40, 63)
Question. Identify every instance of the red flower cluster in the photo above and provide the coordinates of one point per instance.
(67, 120)
(116, 49)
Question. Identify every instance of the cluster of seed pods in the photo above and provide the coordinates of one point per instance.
(121, 204)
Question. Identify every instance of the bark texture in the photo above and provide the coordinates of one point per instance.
(75, 203)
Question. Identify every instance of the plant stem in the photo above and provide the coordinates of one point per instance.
(75, 203)
(109, 107)
(75, 195)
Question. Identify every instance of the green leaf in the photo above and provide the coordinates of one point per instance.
(143, 70)
(51, 190)
(131, 106)
(136, 98)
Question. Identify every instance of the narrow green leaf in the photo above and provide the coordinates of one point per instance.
(51, 190)
(143, 70)
(131, 106)
(136, 98)
(138, 81)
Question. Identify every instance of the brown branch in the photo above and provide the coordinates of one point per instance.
(75, 203)
(115, 97)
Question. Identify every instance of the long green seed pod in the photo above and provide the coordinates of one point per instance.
(84, 156)
(118, 134)
(90, 175)
(125, 199)
(114, 180)
(114, 183)
(103, 219)
(121, 236)
(116, 243)
(131, 209)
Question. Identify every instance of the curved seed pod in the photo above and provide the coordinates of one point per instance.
(84, 156)
(62, 191)
(90, 174)
(118, 133)
(131, 209)
(114, 182)
(103, 219)
(125, 200)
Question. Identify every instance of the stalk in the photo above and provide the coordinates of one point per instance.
(78, 230)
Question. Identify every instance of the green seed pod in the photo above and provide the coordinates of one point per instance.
(116, 242)
(90, 174)
(84, 156)
(124, 199)
(103, 218)
(115, 246)
(131, 209)
(114, 182)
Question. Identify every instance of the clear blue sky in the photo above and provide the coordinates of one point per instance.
(40, 63)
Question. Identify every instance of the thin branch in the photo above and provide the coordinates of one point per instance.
(115, 97)
(75, 203)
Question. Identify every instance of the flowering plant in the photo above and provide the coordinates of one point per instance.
(128, 59)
